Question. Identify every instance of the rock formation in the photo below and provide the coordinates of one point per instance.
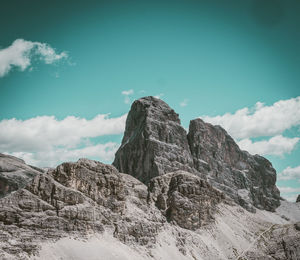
(14, 174)
(185, 199)
(77, 198)
(88, 198)
(298, 198)
(182, 199)
(280, 242)
(155, 143)
(249, 180)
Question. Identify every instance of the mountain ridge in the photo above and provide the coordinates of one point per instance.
(90, 210)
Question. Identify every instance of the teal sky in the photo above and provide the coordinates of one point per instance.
(219, 56)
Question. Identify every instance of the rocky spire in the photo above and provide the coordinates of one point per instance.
(155, 143)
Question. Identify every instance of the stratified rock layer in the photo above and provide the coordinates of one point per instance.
(155, 143)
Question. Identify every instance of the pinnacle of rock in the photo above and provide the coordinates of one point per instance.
(155, 143)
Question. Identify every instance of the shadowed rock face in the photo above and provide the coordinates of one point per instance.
(249, 180)
(155, 143)
(185, 199)
(298, 198)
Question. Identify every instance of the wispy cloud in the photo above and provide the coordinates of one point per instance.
(184, 103)
(127, 94)
(288, 189)
(290, 173)
(289, 193)
(52, 157)
(44, 140)
(159, 96)
(21, 53)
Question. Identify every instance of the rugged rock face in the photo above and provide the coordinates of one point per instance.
(178, 216)
(88, 196)
(14, 174)
(280, 242)
(249, 180)
(154, 142)
(80, 198)
(298, 198)
(185, 199)
(187, 211)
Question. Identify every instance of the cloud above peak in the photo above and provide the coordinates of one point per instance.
(21, 53)
(184, 103)
(127, 94)
(261, 120)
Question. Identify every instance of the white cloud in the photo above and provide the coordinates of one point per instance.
(54, 156)
(159, 96)
(289, 193)
(290, 173)
(126, 94)
(261, 120)
(21, 53)
(45, 139)
(288, 189)
(277, 145)
(184, 103)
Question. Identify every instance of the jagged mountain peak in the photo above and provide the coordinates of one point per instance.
(155, 143)
(170, 195)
